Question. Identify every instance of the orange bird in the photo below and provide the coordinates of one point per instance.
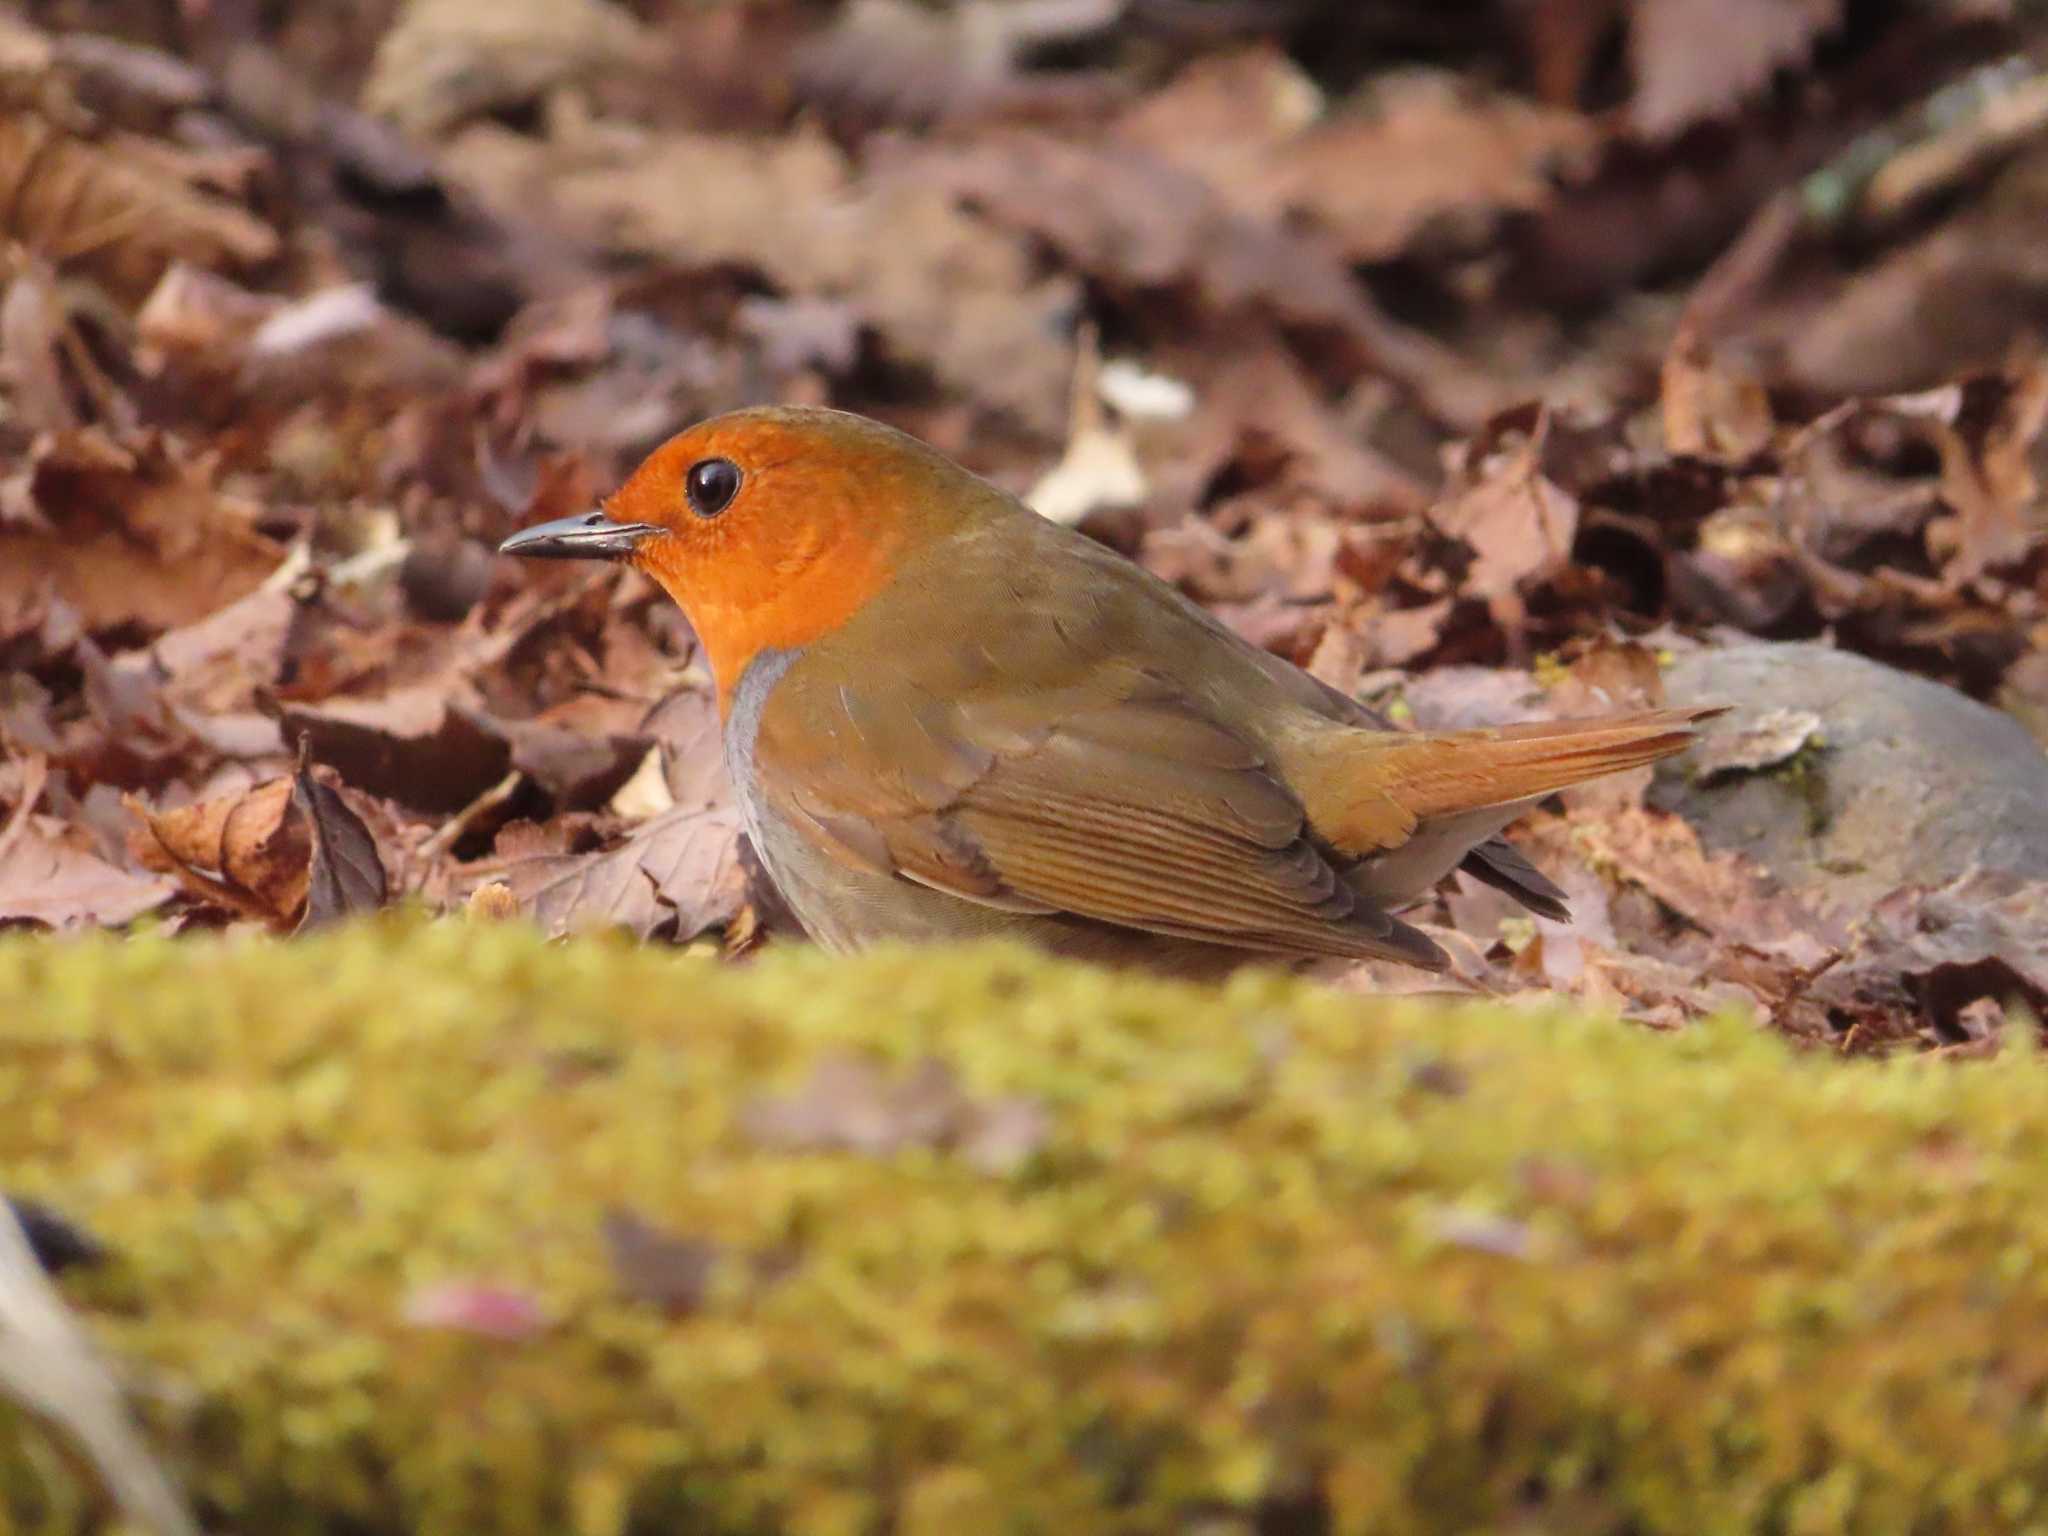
(946, 718)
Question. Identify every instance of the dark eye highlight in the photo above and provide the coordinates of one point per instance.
(711, 485)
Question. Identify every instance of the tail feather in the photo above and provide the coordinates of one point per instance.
(1439, 775)
(1500, 864)
(1370, 791)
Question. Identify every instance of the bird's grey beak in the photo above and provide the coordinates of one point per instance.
(590, 536)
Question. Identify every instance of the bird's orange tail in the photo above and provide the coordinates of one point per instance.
(1377, 787)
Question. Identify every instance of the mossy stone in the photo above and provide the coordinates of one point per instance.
(1281, 1259)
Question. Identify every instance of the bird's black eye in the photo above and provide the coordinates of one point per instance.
(711, 485)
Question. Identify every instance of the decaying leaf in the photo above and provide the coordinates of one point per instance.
(675, 875)
(849, 1104)
(446, 60)
(49, 878)
(244, 850)
(1692, 61)
(1928, 954)
(1416, 157)
(941, 289)
(895, 60)
(1987, 474)
(1518, 522)
(1721, 894)
(103, 208)
(136, 533)
(414, 745)
(670, 1272)
(346, 875)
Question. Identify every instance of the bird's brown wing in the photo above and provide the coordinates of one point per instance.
(1135, 810)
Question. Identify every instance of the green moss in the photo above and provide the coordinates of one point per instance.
(1804, 775)
(1427, 1269)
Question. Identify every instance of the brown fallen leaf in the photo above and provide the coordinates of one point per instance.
(581, 770)
(1417, 155)
(346, 876)
(1661, 993)
(674, 876)
(244, 851)
(1721, 894)
(1925, 954)
(850, 1104)
(1518, 523)
(1260, 419)
(47, 878)
(220, 663)
(442, 61)
(34, 775)
(1709, 406)
(110, 211)
(133, 532)
(664, 1270)
(1987, 473)
(55, 383)
(893, 60)
(199, 322)
(1692, 61)
(414, 745)
(939, 288)
(1121, 213)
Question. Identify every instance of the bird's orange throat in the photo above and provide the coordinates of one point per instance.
(740, 607)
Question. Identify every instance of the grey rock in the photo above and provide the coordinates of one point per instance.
(1847, 779)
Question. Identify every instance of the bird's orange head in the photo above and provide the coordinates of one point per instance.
(771, 526)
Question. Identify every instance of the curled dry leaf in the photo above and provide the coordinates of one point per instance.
(1709, 406)
(199, 319)
(245, 851)
(1987, 473)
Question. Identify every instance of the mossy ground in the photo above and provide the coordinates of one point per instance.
(1284, 1260)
